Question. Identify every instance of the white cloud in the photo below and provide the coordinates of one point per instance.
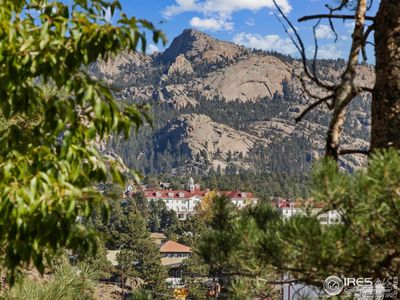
(221, 9)
(324, 32)
(212, 24)
(181, 7)
(250, 22)
(329, 51)
(152, 48)
(271, 42)
(350, 25)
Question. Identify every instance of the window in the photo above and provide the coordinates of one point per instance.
(181, 195)
(158, 194)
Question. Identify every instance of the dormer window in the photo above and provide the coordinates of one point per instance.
(158, 194)
(181, 195)
(243, 195)
(170, 194)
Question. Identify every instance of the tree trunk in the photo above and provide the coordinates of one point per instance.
(386, 95)
(345, 92)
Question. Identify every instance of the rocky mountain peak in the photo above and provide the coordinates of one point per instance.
(197, 46)
(222, 106)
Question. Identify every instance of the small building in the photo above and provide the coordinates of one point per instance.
(173, 255)
(289, 209)
(171, 249)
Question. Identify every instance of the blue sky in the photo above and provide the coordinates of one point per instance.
(251, 23)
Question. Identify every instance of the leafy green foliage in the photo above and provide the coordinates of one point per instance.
(48, 169)
(259, 243)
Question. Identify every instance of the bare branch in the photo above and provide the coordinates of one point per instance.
(342, 5)
(364, 54)
(346, 90)
(333, 29)
(312, 106)
(365, 89)
(370, 5)
(368, 31)
(329, 16)
(307, 91)
(343, 93)
(369, 43)
(300, 46)
(365, 43)
(353, 151)
(314, 65)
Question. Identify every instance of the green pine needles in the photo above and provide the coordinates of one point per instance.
(257, 244)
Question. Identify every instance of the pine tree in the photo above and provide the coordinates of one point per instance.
(258, 243)
(139, 256)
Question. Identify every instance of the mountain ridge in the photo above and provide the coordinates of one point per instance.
(210, 85)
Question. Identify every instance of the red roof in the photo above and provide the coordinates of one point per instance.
(173, 193)
(188, 194)
(174, 247)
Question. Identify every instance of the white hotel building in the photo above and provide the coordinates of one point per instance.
(184, 202)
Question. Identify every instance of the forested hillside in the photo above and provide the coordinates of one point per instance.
(221, 108)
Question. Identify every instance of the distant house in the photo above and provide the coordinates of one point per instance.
(171, 249)
(173, 255)
(184, 202)
(289, 209)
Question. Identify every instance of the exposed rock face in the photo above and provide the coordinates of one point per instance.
(181, 66)
(198, 134)
(250, 79)
(176, 95)
(199, 47)
(197, 73)
(121, 67)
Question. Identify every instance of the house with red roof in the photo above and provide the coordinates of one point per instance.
(173, 255)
